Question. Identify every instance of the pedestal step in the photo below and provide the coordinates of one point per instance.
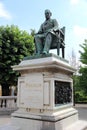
(9, 127)
(79, 125)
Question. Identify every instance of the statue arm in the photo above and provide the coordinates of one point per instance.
(40, 30)
(55, 25)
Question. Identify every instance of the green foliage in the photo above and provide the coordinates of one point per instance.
(83, 55)
(83, 79)
(77, 88)
(80, 97)
(15, 44)
(80, 81)
(76, 82)
(33, 32)
(80, 87)
(83, 70)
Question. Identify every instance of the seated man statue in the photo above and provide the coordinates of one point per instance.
(43, 38)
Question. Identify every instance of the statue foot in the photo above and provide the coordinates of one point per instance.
(44, 52)
(38, 53)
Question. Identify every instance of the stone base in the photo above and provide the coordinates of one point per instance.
(79, 125)
(65, 120)
(38, 103)
(9, 127)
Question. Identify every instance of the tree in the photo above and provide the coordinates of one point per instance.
(83, 57)
(83, 79)
(15, 44)
(33, 31)
(83, 69)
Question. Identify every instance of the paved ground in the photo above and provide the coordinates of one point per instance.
(82, 110)
(4, 120)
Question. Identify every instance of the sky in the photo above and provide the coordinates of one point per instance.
(29, 14)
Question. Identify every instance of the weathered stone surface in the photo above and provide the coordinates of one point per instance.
(36, 95)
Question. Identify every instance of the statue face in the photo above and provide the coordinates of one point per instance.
(47, 15)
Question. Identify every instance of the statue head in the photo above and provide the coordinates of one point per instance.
(48, 13)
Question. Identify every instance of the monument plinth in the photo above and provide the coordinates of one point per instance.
(45, 94)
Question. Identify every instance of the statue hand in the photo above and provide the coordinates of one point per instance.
(50, 30)
(39, 32)
(55, 29)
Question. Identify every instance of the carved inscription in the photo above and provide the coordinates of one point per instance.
(31, 91)
(32, 97)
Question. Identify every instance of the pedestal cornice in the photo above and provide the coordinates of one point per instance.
(50, 61)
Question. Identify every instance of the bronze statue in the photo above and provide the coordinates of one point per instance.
(47, 32)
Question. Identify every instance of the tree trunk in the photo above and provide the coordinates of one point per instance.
(5, 89)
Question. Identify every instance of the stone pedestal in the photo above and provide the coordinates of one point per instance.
(45, 94)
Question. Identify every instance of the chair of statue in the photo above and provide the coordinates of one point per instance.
(59, 41)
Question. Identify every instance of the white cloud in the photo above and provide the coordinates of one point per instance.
(3, 12)
(74, 2)
(80, 31)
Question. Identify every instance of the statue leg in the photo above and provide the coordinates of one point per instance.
(47, 43)
(38, 44)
